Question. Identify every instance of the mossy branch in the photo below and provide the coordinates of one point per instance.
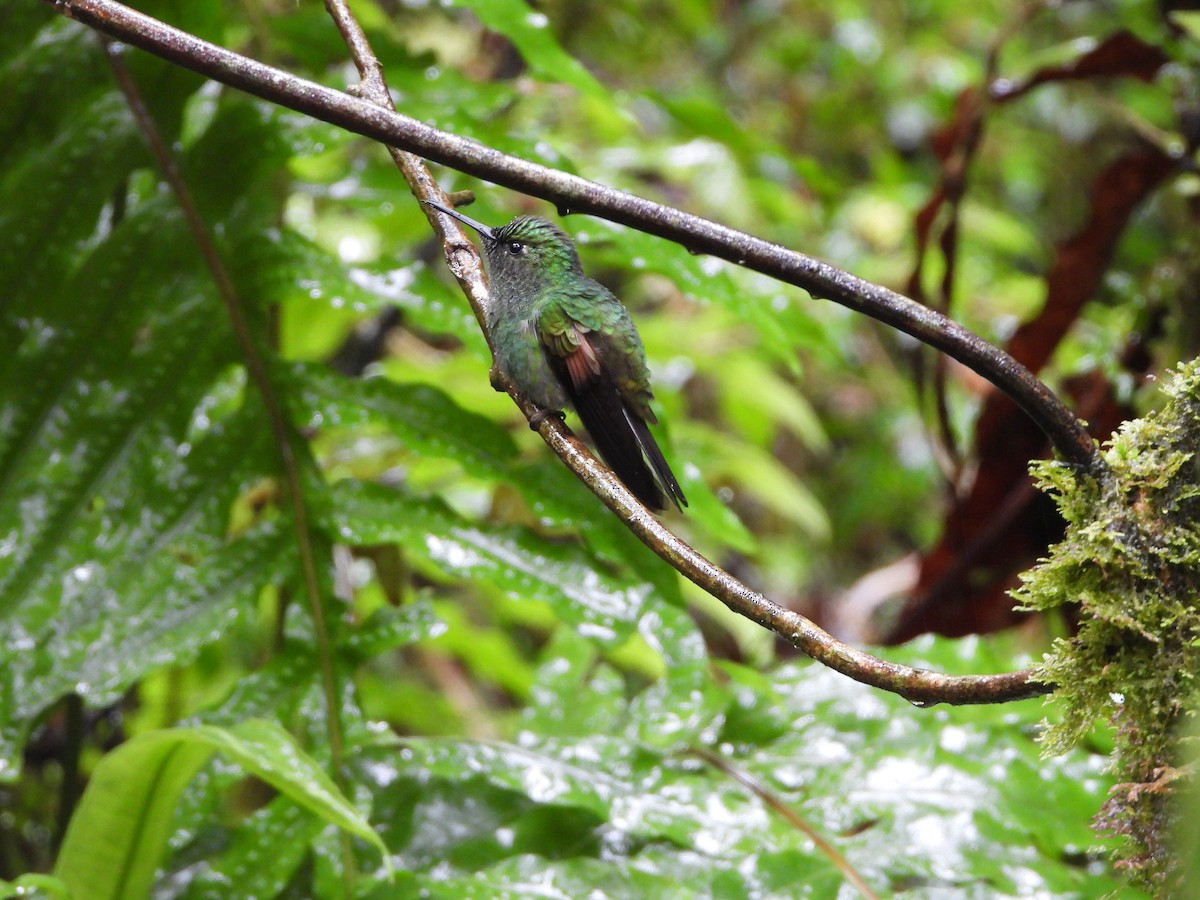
(1131, 558)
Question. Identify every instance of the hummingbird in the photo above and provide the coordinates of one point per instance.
(562, 337)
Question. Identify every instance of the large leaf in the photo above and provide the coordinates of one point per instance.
(126, 435)
(209, 850)
(515, 563)
(581, 792)
(423, 417)
(118, 834)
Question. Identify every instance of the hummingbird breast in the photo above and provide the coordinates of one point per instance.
(519, 353)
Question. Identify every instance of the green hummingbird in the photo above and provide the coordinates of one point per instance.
(560, 336)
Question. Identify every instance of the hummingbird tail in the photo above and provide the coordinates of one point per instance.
(662, 472)
(625, 443)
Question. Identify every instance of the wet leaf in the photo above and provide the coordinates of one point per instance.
(34, 885)
(424, 418)
(510, 561)
(531, 33)
(865, 770)
(121, 457)
(284, 826)
(120, 830)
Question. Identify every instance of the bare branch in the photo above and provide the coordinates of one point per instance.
(573, 194)
(921, 687)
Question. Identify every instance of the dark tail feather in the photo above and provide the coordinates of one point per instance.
(625, 444)
(622, 439)
(664, 475)
(603, 415)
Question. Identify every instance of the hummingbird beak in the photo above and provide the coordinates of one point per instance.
(466, 220)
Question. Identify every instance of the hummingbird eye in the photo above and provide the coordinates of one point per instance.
(516, 248)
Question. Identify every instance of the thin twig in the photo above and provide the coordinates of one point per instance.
(281, 431)
(793, 818)
(919, 686)
(573, 194)
(373, 88)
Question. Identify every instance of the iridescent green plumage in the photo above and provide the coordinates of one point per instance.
(562, 337)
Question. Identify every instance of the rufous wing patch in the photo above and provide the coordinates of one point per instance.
(583, 363)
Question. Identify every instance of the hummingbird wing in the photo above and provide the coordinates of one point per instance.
(609, 388)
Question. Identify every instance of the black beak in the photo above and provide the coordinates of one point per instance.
(466, 220)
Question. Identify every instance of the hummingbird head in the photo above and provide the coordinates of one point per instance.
(527, 252)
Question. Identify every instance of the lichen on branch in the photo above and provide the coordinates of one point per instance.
(1131, 560)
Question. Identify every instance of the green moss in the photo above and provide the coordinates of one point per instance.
(1131, 559)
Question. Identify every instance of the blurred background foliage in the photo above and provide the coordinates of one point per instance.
(522, 685)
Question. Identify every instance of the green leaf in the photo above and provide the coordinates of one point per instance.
(429, 424)
(570, 666)
(862, 768)
(389, 628)
(283, 267)
(127, 436)
(287, 829)
(1186, 831)
(530, 875)
(513, 562)
(681, 709)
(128, 432)
(118, 466)
(560, 501)
(427, 421)
(264, 749)
(286, 689)
(530, 31)
(120, 828)
(117, 835)
(34, 885)
(490, 653)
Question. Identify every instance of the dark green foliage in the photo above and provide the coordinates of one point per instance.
(1131, 559)
(519, 682)
(126, 441)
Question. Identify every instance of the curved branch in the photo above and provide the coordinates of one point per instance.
(573, 194)
(919, 686)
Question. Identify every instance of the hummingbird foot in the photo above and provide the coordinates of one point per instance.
(496, 377)
(535, 421)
